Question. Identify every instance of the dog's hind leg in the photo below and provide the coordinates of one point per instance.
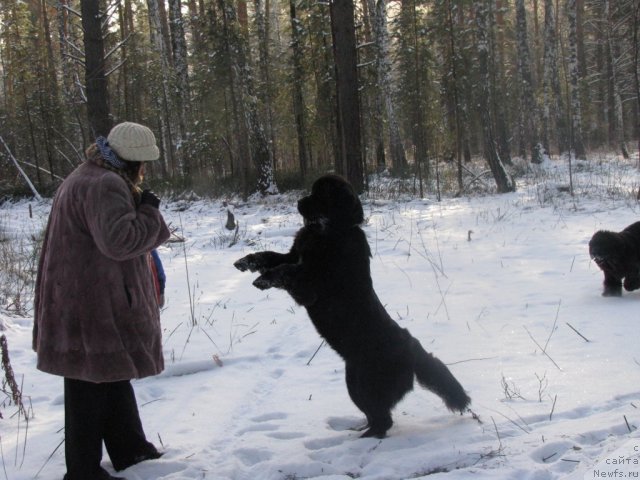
(375, 404)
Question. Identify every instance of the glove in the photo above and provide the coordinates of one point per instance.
(149, 198)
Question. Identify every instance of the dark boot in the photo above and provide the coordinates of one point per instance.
(124, 436)
(126, 463)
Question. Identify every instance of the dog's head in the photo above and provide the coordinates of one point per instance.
(606, 249)
(332, 200)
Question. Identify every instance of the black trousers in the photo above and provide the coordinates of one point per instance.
(97, 412)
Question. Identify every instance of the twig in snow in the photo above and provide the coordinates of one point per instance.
(510, 390)
(4, 464)
(513, 421)
(553, 329)
(49, 458)
(542, 349)
(471, 360)
(553, 407)
(627, 422)
(497, 434)
(315, 353)
(543, 383)
(475, 416)
(443, 296)
(583, 337)
(186, 266)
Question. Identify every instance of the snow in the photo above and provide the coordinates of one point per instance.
(486, 283)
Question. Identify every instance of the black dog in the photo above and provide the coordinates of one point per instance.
(327, 271)
(618, 256)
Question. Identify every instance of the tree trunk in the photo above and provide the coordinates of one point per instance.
(636, 68)
(618, 124)
(504, 182)
(297, 83)
(378, 11)
(181, 88)
(242, 75)
(529, 111)
(553, 123)
(453, 74)
(348, 106)
(161, 97)
(576, 107)
(95, 79)
(376, 118)
(264, 66)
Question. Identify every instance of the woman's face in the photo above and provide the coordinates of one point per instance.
(141, 173)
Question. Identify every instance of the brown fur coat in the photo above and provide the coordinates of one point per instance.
(96, 313)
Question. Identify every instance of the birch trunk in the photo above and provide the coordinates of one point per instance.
(378, 10)
(577, 142)
(529, 110)
(181, 104)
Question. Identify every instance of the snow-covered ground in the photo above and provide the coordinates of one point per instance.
(500, 287)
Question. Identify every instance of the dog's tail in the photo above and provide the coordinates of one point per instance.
(434, 375)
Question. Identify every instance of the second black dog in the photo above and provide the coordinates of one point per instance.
(327, 271)
(618, 256)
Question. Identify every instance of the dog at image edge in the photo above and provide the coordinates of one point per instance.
(327, 272)
(618, 256)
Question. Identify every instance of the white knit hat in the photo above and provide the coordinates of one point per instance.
(133, 142)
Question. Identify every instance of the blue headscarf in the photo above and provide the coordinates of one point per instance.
(108, 154)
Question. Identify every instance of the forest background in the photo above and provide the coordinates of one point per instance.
(263, 95)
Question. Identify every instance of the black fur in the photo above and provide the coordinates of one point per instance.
(618, 256)
(327, 271)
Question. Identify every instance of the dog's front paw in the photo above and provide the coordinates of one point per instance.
(269, 279)
(262, 283)
(250, 262)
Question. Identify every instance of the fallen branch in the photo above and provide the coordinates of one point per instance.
(553, 329)
(553, 407)
(33, 189)
(542, 349)
(583, 337)
(627, 422)
(316, 352)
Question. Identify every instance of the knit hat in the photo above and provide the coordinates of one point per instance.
(133, 142)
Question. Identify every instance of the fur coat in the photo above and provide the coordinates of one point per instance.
(96, 312)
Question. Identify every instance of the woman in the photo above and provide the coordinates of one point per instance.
(97, 320)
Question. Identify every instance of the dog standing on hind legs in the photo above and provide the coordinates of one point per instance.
(327, 271)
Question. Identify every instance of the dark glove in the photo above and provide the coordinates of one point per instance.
(149, 198)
